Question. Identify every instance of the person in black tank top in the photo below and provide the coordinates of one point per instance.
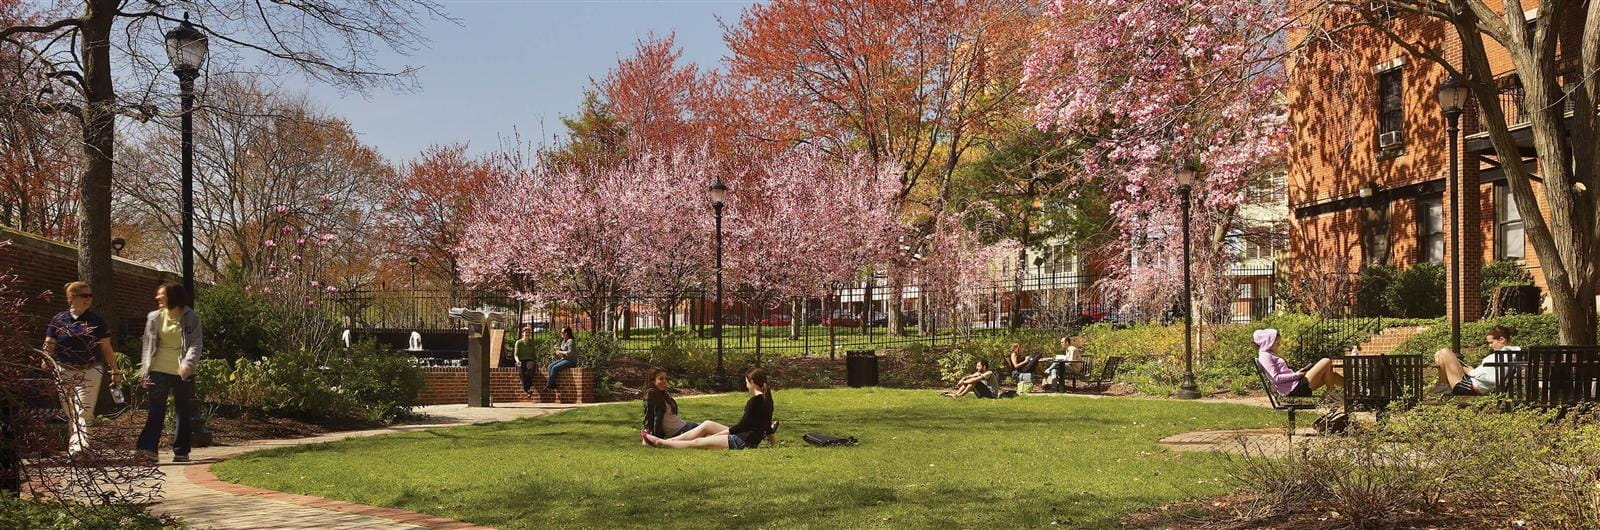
(752, 427)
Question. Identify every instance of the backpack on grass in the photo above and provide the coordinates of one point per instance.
(823, 440)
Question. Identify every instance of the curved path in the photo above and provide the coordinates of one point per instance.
(191, 493)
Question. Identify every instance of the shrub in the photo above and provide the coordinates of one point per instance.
(1375, 281)
(1521, 462)
(29, 513)
(363, 382)
(238, 324)
(595, 351)
(1530, 330)
(1502, 273)
(377, 386)
(1417, 291)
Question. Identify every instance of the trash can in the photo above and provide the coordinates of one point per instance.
(861, 368)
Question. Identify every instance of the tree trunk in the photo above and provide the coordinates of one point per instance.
(796, 317)
(98, 128)
(892, 307)
(866, 304)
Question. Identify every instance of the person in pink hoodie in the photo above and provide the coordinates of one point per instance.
(1288, 382)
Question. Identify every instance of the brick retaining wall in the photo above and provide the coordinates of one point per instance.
(44, 265)
(448, 385)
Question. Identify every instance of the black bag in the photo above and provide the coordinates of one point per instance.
(1334, 422)
(823, 440)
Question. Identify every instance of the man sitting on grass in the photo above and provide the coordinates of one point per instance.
(980, 383)
(1483, 379)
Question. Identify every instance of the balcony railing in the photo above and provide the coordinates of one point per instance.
(1511, 98)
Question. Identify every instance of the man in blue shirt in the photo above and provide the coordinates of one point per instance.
(77, 341)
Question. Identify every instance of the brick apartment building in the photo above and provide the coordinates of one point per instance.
(1368, 162)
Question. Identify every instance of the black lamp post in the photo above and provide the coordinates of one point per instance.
(719, 194)
(1452, 98)
(186, 48)
(117, 244)
(415, 315)
(1187, 389)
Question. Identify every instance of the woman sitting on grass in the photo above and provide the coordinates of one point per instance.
(978, 383)
(1287, 382)
(661, 411)
(752, 427)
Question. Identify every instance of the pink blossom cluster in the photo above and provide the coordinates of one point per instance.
(1161, 84)
(794, 224)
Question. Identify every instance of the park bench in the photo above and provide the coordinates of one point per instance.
(1108, 373)
(1374, 382)
(1283, 403)
(1559, 376)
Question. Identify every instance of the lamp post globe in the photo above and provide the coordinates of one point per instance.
(187, 48)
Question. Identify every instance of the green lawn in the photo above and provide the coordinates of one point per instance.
(924, 461)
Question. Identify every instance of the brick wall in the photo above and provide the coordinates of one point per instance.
(45, 266)
(1333, 98)
(448, 385)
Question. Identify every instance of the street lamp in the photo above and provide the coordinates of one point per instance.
(1187, 389)
(719, 196)
(1452, 99)
(117, 244)
(186, 48)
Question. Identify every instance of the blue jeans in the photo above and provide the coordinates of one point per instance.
(554, 368)
(183, 396)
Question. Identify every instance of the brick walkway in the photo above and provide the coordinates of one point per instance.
(193, 494)
(1270, 442)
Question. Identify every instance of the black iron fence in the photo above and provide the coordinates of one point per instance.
(851, 317)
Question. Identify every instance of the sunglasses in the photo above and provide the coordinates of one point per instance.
(84, 295)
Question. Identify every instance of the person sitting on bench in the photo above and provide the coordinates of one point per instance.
(747, 434)
(1483, 379)
(1022, 365)
(1287, 382)
(1067, 363)
(661, 411)
(979, 383)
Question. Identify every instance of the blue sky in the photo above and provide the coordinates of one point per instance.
(519, 64)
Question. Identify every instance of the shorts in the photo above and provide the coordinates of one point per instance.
(687, 426)
(735, 442)
(1465, 387)
(1024, 377)
(1301, 389)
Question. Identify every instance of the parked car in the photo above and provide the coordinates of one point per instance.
(841, 318)
(776, 320)
(731, 319)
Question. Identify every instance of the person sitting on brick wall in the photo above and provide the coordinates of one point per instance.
(566, 357)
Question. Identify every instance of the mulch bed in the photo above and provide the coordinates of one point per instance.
(228, 427)
(1241, 511)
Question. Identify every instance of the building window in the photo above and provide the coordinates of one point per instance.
(1391, 112)
(1375, 235)
(1430, 230)
(1508, 237)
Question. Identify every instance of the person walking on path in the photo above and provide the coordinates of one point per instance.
(172, 347)
(76, 342)
(527, 360)
(566, 357)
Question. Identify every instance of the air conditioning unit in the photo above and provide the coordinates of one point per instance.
(1390, 139)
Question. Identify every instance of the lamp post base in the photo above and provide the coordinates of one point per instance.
(1187, 389)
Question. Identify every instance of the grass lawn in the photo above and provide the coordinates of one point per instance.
(924, 461)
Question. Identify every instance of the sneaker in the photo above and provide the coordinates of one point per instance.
(180, 458)
(148, 456)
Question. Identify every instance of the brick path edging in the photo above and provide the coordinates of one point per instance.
(201, 475)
